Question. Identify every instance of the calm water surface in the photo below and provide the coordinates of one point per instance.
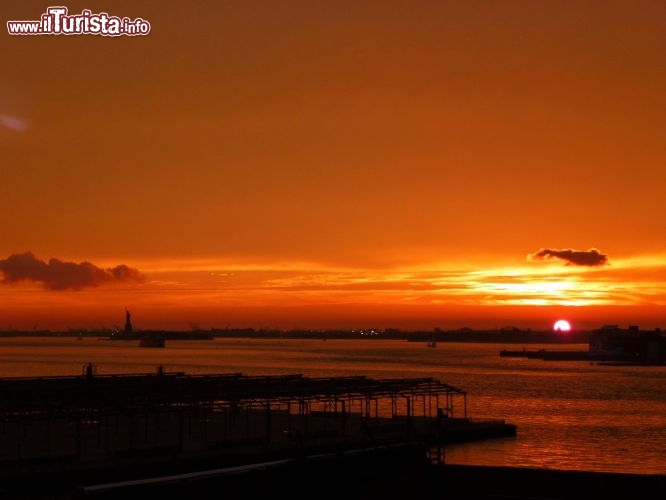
(570, 415)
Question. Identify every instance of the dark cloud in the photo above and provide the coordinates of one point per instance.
(591, 257)
(58, 275)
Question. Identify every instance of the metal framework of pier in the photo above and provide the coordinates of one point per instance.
(99, 415)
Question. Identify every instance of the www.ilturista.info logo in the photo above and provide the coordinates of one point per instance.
(56, 22)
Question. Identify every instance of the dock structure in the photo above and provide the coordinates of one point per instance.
(96, 416)
(144, 424)
(91, 394)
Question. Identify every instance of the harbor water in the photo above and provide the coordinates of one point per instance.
(570, 415)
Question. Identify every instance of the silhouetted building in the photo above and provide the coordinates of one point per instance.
(632, 343)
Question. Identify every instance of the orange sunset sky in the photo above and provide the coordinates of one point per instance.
(343, 163)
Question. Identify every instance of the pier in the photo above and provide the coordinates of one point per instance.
(130, 427)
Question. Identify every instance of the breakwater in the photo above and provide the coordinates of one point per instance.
(397, 471)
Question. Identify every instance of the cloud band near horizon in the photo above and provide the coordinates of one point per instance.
(59, 275)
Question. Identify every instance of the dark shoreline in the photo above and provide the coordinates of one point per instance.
(394, 471)
(389, 472)
(485, 482)
(508, 336)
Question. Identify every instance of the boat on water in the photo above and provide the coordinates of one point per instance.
(165, 334)
(432, 343)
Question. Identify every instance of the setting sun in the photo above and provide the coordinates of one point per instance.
(562, 325)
